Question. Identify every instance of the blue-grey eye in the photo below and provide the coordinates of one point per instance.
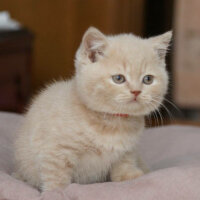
(119, 78)
(148, 79)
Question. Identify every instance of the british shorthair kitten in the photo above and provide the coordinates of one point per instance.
(86, 129)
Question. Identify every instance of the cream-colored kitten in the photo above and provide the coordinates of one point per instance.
(85, 128)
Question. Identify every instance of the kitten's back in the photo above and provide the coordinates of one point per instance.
(46, 106)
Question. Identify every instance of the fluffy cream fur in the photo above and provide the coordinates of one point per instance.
(72, 131)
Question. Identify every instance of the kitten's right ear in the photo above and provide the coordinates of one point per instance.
(93, 44)
(161, 43)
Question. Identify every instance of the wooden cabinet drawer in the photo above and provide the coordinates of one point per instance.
(9, 99)
(15, 61)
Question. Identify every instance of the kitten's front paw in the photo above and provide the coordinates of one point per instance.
(47, 186)
(129, 175)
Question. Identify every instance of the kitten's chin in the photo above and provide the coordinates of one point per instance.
(140, 108)
(142, 111)
(135, 110)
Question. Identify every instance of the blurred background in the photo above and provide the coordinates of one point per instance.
(39, 39)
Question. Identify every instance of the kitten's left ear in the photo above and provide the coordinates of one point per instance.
(93, 44)
(161, 43)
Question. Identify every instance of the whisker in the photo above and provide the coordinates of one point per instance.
(171, 103)
(154, 113)
(161, 117)
(158, 111)
(149, 120)
(162, 105)
(157, 118)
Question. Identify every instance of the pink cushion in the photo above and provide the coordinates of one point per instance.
(172, 153)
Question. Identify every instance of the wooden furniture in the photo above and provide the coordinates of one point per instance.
(187, 51)
(59, 27)
(15, 63)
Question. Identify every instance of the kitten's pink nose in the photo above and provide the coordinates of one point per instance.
(136, 92)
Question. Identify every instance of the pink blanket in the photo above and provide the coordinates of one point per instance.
(172, 153)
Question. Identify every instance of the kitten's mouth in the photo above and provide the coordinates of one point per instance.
(134, 100)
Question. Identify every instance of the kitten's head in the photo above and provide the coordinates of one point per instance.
(122, 74)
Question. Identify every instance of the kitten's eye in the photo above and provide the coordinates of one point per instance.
(148, 79)
(118, 78)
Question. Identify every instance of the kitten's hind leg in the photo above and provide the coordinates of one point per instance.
(55, 173)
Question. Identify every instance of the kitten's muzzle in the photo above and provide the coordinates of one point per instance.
(136, 93)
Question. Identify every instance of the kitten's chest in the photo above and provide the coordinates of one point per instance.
(115, 138)
(95, 164)
(104, 146)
